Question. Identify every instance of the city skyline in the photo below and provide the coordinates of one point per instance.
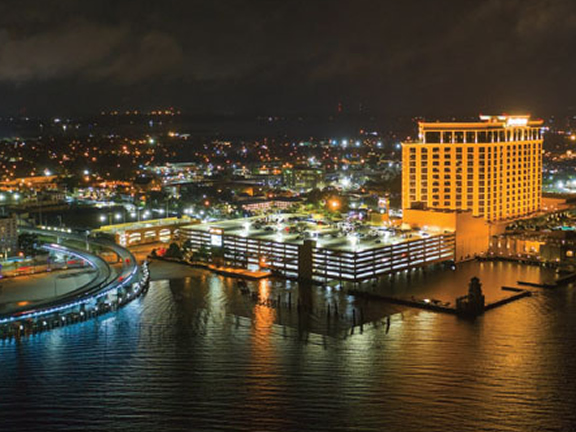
(296, 215)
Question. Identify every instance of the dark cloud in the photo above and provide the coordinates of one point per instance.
(72, 50)
(411, 56)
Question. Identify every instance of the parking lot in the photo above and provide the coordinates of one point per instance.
(345, 235)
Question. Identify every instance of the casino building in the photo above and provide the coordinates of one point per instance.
(462, 183)
(492, 168)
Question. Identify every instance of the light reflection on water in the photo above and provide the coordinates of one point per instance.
(196, 354)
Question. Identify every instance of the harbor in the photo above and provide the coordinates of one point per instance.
(364, 303)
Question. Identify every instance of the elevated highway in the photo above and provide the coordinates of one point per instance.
(111, 286)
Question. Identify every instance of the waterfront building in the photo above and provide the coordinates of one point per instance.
(544, 246)
(300, 247)
(492, 168)
(471, 233)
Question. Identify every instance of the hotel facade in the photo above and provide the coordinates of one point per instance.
(492, 168)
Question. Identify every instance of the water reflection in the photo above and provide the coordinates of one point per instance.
(449, 284)
(197, 354)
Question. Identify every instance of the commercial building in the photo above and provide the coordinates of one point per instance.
(303, 178)
(298, 246)
(36, 182)
(555, 202)
(8, 236)
(492, 168)
(471, 233)
(552, 247)
(145, 232)
(266, 204)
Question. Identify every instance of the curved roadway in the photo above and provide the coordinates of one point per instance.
(106, 281)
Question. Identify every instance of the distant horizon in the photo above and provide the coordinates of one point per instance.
(121, 112)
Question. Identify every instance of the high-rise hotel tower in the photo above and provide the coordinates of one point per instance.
(492, 167)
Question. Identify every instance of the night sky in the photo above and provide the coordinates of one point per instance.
(392, 57)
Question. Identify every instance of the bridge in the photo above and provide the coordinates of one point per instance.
(108, 290)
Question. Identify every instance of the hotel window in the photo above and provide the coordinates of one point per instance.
(433, 137)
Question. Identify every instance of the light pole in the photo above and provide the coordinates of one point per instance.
(103, 218)
(136, 214)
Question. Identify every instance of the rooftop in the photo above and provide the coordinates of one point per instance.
(152, 223)
(295, 228)
(486, 122)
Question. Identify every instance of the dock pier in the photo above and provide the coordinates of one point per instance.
(518, 293)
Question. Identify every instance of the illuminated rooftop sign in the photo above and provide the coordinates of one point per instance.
(516, 121)
(509, 121)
